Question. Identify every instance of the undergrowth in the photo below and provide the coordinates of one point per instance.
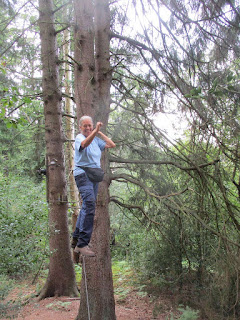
(23, 226)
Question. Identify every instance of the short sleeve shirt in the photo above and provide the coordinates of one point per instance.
(89, 156)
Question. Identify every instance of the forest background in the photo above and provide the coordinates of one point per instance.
(174, 199)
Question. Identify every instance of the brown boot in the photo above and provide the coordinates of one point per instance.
(85, 251)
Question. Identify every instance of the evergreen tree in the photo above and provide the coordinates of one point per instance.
(61, 279)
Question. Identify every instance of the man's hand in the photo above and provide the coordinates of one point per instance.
(98, 126)
(85, 143)
(109, 143)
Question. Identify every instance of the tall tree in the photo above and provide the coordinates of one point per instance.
(61, 277)
(92, 94)
(69, 132)
(192, 52)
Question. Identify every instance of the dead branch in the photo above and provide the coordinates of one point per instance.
(129, 206)
(165, 162)
(133, 180)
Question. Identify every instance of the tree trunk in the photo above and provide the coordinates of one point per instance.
(69, 147)
(61, 277)
(102, 62)
(84, 71)
(98, 269)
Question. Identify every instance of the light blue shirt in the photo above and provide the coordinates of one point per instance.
(89, 156)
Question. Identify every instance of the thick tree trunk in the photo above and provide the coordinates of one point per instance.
(98, 269)
(102, 61)
(84, 56)
(61, 278)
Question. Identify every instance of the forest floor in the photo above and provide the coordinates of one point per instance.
(133, 301)
(133, 307)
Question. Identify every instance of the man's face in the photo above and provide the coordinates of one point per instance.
(86, 127)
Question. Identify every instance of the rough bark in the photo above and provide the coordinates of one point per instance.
(98, 269)
(61, 278)
(84, 71)
(102, 61)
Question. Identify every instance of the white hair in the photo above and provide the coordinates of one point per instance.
(84, 118)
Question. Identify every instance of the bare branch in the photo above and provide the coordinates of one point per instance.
(67, 96)
(134, 43)
(61, 30)
(77, 63)
(130, 206)
(68, 115)
(207, 226)
(62, 6)
(165, 162)
(17, 38)
(133, 180)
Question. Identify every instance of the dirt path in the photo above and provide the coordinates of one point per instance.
(65, 309)
(132, 307)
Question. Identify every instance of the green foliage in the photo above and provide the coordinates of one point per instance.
(9, 308)
(22, 149)
(169, 240)
(6, 286)
(124, 279)
(78, 273)
(187, 314)
(171, 243)
(23, 220)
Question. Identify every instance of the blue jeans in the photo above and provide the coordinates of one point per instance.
(84, 226)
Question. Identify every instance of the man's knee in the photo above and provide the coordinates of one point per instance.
(87, 195)
(90, 205)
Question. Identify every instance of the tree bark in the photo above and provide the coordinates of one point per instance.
(102, 62)
(61, 277)
(98, 269)
(69, 132)
(84, 71)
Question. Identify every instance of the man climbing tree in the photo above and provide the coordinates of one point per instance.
(92, 95)
(88, 174)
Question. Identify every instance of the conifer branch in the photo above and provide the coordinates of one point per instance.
(165, 162)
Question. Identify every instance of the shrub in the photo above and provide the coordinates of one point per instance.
(188, 314)
(23, 225)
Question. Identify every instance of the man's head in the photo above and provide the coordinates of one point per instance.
(86, 125)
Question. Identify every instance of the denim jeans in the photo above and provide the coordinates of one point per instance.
(84, 226)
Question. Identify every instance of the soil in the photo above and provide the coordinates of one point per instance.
(131, 307)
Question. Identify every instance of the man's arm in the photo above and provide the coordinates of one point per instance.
(86, 142)
(109, 142)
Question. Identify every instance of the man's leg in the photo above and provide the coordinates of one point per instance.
(87, 217)
(85, 220)
(81, 182)
(76, 233)
(84, 228)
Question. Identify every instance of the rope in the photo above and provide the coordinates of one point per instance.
(85, 279)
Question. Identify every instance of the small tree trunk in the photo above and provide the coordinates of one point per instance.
(69, 132)
(61, 277)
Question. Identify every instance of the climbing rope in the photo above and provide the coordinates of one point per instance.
(85, 279)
